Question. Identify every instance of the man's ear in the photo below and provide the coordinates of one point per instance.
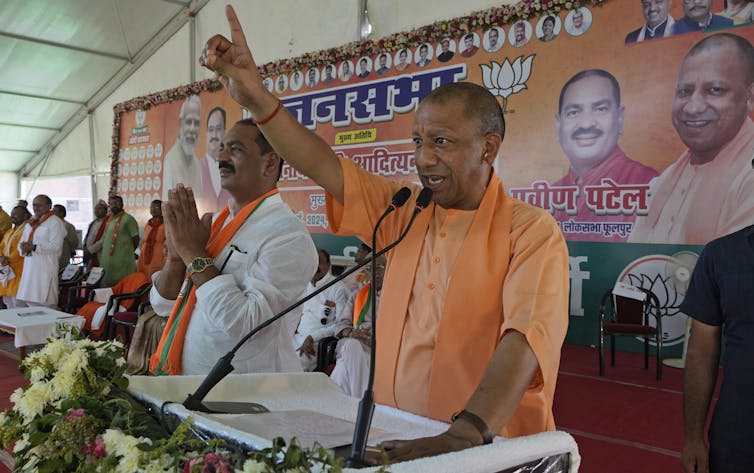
(492, 142)
(271, 164)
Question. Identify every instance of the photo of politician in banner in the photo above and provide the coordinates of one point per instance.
(708, 191)
(605, 188)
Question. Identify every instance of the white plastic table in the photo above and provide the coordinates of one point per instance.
(34, 325)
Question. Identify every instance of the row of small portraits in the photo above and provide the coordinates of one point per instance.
(577, 22)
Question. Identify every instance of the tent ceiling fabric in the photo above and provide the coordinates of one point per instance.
(56, 55)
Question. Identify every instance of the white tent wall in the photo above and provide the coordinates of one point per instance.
(276, 30)
(8, 190)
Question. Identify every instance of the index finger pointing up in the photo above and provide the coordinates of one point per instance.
(236, 32)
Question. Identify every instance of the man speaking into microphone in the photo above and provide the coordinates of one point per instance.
(474, 304)
(217, 284)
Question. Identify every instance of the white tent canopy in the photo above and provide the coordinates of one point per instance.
(64, 64)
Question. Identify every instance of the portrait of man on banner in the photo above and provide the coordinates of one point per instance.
(494, 38)
(708, 191)
(423, 55)
(589, 124)
(181, 165)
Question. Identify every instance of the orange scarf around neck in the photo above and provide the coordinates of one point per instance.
(166, 360)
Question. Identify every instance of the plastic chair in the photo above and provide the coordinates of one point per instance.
(69, 276)
(326, 355)
(81, 292)
(127, 321)
(625, 311)
(131, 301)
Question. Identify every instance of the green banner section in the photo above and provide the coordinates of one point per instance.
(595, 268)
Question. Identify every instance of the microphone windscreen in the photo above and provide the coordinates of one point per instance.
(401, 197)
(425, 196)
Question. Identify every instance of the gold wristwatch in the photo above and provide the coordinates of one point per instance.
(199, 264)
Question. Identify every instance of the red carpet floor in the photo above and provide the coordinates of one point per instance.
(10, 379)
(624, 422)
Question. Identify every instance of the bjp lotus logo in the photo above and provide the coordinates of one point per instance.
(506, 79)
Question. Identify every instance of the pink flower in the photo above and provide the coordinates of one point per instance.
(75, 414)
(96, 448)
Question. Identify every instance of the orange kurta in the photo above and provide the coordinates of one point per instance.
(151, 259)
(9, 248)
(507, 270)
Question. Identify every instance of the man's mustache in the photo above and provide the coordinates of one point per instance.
(590, 132)
(226, 165)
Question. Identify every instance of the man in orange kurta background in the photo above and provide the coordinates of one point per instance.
(152, 254)
(10, 256)
(475, 302)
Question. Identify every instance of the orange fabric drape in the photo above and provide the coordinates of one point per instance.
(167, 359)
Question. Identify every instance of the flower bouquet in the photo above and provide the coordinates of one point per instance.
(76, 415)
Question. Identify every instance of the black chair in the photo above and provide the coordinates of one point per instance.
(326, 355)
(82, 292)
(127, 321)
(68, 277)
(132, 302)
(628, 313)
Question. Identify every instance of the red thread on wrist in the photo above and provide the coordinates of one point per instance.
(271, 116)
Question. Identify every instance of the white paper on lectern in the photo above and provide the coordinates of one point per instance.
(308, 427)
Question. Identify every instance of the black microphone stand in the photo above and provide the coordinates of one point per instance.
(223, 367)
(366, 405)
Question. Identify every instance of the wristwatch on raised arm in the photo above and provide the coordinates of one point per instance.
(199, 264)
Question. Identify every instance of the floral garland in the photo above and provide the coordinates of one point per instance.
(76, 415)
(494, 16)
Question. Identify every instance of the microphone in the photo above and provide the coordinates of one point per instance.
(366, 405)
(223, 367)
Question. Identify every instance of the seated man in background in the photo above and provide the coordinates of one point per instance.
(254, 261)
(320, 312)
(475, 305)
(354, 349)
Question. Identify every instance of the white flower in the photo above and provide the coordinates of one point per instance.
(32, 402)
(506, 78)
(126, 447)
(160, 465)
(21, 444)
(37, 374)
(252, 466)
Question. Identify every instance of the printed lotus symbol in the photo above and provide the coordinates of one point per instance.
(506, 79)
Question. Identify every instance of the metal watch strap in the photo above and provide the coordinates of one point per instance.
(207, 262)
(478, 424)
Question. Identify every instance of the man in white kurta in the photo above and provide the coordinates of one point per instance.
(320, 312)
(41, 250)
(263, 269)
(354, 350)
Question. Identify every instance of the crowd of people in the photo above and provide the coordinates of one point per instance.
(486, 364)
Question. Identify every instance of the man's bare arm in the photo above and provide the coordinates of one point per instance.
(699, 379)
(499, 394)
(234, 65)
